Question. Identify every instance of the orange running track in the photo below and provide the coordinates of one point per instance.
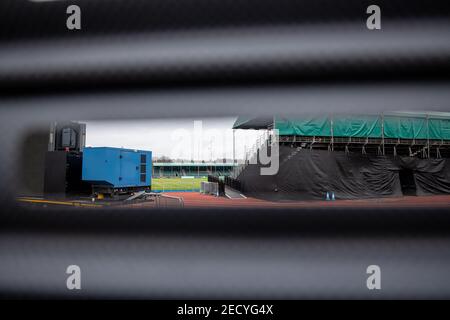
(198, 200)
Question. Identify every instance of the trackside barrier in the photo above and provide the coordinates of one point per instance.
(214, 188)
(220, 184)
(204, 187)
(165, 201)
(209, 188)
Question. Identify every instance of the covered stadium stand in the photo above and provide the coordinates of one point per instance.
(352, 156)
(194, 169)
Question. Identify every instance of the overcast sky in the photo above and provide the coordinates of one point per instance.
(190, 139)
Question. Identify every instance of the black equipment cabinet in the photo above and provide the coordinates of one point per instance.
(63, 174)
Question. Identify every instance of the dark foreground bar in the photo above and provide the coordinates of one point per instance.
(269, 254)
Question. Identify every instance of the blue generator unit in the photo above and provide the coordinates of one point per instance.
(116, 171)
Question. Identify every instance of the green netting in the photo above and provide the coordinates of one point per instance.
(405, 128)
(306, 126)
(357, 126)
(372, 126)
(439, 129)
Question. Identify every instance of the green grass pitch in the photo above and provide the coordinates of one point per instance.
(161, 184)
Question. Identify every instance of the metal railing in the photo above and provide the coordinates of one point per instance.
(208, 187)
(159, 200)
(165, 201)
(251, 155)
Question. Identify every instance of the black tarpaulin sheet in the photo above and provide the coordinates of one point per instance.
(310, 174)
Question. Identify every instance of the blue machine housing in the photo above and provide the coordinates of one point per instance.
(116, 167)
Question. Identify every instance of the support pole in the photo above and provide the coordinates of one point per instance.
(382, 132)
(332, 132)
(234, 146)
(428, 136)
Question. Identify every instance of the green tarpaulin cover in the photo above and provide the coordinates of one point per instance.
(394, 125)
